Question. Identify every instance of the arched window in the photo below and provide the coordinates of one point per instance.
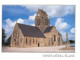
(38, 22)
(46, 22)
(26, 40)
(33, 41)
(54, 38)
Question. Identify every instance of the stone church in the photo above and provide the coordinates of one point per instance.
(40, 35)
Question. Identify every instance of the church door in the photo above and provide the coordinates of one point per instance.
(38, 44)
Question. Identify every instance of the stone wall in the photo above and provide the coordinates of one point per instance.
(18, 40)
(33, 42)
(52, 38)
(17, 37)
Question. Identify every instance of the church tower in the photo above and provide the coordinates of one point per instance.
(42, 20)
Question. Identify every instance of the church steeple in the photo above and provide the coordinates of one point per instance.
(42, 20)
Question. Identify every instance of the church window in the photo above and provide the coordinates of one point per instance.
(26, 40)
(54, 37)
(33, 41)
(46, 22)
(38, 22)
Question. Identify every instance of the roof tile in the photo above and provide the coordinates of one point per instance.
(31, 31)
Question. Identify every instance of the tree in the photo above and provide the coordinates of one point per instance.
(7, 43)
(3, 36)
(72, 41)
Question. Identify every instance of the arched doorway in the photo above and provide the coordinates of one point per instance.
(54, 38)
(38, 44)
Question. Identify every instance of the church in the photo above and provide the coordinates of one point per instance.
(40, 35)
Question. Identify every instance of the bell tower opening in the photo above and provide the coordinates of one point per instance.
(42, 20)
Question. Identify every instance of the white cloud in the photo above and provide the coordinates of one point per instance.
(73, 30)
(72, 34)
(53, 11)
(61, 25)
(20, 20)
(10, 25)
(32, 17)
(71, 37)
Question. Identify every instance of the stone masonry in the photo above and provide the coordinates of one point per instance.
(42, 34)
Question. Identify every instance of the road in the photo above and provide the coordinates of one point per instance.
(54, 49)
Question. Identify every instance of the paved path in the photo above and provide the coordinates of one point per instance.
(54, 49)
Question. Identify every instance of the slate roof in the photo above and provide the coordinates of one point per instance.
(31, 31)
(48, 29)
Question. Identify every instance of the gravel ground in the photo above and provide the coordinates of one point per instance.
(54, 49)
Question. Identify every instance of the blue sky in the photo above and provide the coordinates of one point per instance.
(63, 17)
